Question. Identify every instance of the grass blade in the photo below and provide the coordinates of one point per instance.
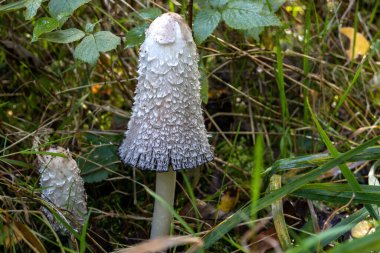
(347, 173)
(243, 214)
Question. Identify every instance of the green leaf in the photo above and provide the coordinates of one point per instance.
(64, 36)
(98, 163)
(12, 6)
(106, 41)
(218, 3)
(31, 8)
(61, 9)
(136, 36)
(274, 5)
(149, 13)
(89, 28)
(254, 33)
(89, 48)
(44, 25)
(205, 23)
(246, 15)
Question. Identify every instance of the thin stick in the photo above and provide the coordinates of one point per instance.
(190, 14)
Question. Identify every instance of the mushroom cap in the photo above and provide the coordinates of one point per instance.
(64, 187)
(166, 127)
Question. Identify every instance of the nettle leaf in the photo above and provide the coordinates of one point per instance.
(149, 13)
(89, 48)
(246, 15)
(89, 28)
(205, 23)
(254, 33)
(106, 41)
(218, 3)
(274, 5)
(101, 159)
(64, 36)
(44, 25)
(31, 8)
(12, 6)
(136, 36)
(98, 163)
(61, 9)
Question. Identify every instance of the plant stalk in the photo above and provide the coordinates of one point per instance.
(162, 217)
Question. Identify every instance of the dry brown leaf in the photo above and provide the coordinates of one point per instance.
(11, 238)
(160, 244)
(28, 237)
(361, 43)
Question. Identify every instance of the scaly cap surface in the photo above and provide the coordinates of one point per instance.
(166, 127)
(63, 187)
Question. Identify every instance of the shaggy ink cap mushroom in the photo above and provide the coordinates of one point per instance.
(166, 127)
(63, 187)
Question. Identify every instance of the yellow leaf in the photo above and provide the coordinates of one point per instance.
(361, 43)
(229, 200)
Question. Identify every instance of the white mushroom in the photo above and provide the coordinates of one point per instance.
(166, 132)
(63, 187)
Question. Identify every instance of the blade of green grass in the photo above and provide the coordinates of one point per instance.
(82, 242)
(285, 144)
(256, 174)
(369, 243)
(243, 214)
(311, 243)
(339, 193)
(308, 161)
(347, 173)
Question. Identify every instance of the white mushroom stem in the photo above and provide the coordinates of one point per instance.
(162, 217)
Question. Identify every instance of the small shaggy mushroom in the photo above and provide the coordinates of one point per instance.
(63, 187)
(166, 131)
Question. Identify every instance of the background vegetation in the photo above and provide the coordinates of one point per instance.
(280, 80)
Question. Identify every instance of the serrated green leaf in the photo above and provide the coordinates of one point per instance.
(106, 41)
(254, 33)
(205, 23)
(64, 36)
(44, 25)
(87, 51)
(89, 28)
(31, 8)
(89, 48)
(246, 15)
(149, 13)
(136, 36)
(60, 9)
(274, 5)
(98, 163)
(218, 3)
(12, 6)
